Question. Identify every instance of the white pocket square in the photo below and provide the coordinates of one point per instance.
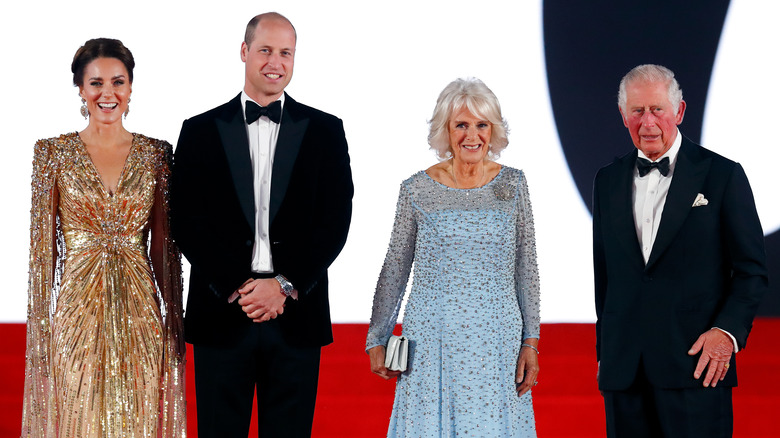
(700, 200)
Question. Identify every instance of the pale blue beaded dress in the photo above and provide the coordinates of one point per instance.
(474, 298)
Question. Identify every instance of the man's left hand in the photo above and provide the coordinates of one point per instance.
(716, 350)
(262, 299)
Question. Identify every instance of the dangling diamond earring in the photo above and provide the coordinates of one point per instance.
(127, 110)
(84, 109)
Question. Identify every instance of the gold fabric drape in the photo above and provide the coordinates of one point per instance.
(105, 348)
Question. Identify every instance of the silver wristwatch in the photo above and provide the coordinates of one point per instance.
(287, 287)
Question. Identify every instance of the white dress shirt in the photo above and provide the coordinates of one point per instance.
(649, 197)
(263, 135)
(649, 193)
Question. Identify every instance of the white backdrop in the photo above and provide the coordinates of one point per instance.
(377, 66)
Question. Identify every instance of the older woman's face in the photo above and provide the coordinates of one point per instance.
(106, 89)
(469, 136)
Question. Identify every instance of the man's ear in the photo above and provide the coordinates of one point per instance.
(244, 51)
(680, 112)
(623, 116)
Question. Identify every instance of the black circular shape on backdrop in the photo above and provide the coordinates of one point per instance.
(590, 45)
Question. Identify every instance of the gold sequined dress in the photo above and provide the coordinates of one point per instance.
(105, 352)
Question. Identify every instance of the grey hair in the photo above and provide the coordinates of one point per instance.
(651, 73)
(474, 95)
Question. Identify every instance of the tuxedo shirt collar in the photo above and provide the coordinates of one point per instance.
(245, 97)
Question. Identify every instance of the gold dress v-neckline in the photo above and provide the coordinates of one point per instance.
(106, 190)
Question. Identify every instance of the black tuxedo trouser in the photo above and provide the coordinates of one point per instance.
(285, 377)
(643, 411)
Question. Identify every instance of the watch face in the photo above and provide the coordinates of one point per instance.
(287, 287)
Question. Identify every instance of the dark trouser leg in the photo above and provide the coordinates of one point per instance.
(695, 412)
(631, 413)
(645, 411)
(224, 388)
(287, 385)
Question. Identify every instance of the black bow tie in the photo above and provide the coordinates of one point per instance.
(645, 166)
(255, 111)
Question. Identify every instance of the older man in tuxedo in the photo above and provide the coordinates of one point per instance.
(679, 271)
(261, 200)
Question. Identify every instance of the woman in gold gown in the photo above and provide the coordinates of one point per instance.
(105, 351)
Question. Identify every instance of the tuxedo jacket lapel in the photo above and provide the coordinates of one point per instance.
(232, 133)
(622, 219)
(288, 145)
(689, 174)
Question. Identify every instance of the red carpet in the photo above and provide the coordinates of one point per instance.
(352, 402)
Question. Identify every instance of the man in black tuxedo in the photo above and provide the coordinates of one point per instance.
(262, 201)
(679, 271)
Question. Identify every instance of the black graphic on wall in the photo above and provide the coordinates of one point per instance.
(590, 45)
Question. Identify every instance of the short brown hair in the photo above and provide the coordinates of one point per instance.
(249, 35)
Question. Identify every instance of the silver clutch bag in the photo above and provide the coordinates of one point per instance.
(397, 353)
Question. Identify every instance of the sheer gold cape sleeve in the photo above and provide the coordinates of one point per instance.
(166, 262)
(40, 410)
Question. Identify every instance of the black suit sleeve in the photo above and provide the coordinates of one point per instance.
(317, 209)
(206, 237)
(744, 251)
(599, 263)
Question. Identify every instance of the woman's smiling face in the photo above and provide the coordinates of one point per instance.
(106, 89)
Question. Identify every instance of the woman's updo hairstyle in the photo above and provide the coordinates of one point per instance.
(100, 48)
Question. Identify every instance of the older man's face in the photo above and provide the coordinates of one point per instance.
(650, 117)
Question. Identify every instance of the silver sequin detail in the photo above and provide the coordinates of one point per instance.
(474, 298)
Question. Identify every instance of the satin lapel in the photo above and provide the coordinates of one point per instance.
(621, 205)
(232, 133)
(689, 175)
(291, 133)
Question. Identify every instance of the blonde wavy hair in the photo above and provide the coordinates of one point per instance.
(474, 95)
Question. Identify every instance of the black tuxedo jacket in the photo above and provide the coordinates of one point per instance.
(213, 217)
(706, 269)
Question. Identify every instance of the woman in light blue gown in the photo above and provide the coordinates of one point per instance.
(472, 316)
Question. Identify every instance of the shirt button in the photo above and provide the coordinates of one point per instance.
(647, 221)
